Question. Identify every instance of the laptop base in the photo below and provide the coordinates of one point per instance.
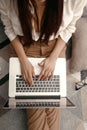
(13, 103)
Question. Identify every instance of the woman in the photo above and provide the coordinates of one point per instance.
(40, 28)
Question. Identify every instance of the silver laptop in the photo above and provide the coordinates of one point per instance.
(47, 93)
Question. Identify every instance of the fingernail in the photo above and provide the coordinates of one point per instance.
(38, 78)
(31, 85)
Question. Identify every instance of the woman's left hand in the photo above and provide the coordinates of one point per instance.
(48, 66)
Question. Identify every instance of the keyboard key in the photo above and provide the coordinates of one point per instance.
(48, 85)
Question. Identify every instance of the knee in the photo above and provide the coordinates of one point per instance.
(34, 112)
(53, 111)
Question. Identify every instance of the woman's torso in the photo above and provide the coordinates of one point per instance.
(13, 16)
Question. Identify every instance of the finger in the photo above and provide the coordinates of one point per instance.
(41, 63)
(51, 76)
(27, 78)
(48, 76)
(41, 75)
(24, 77)
(33, 74)
(30, 80)
(45, 76)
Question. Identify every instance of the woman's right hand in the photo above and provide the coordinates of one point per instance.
(27, 71)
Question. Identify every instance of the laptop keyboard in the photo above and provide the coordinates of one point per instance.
(49, 85)
(37, 104)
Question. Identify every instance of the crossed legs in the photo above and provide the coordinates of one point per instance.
(43, 118)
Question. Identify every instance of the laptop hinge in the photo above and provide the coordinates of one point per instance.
(38, 97)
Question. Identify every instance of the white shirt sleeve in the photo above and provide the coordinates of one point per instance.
(77, 13)
(6, 21)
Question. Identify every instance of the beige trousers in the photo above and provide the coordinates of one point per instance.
(43, 118)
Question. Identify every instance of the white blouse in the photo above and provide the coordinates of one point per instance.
(73, 10)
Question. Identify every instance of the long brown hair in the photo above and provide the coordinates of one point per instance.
(51, 20)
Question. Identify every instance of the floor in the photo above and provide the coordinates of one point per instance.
(75, 118)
